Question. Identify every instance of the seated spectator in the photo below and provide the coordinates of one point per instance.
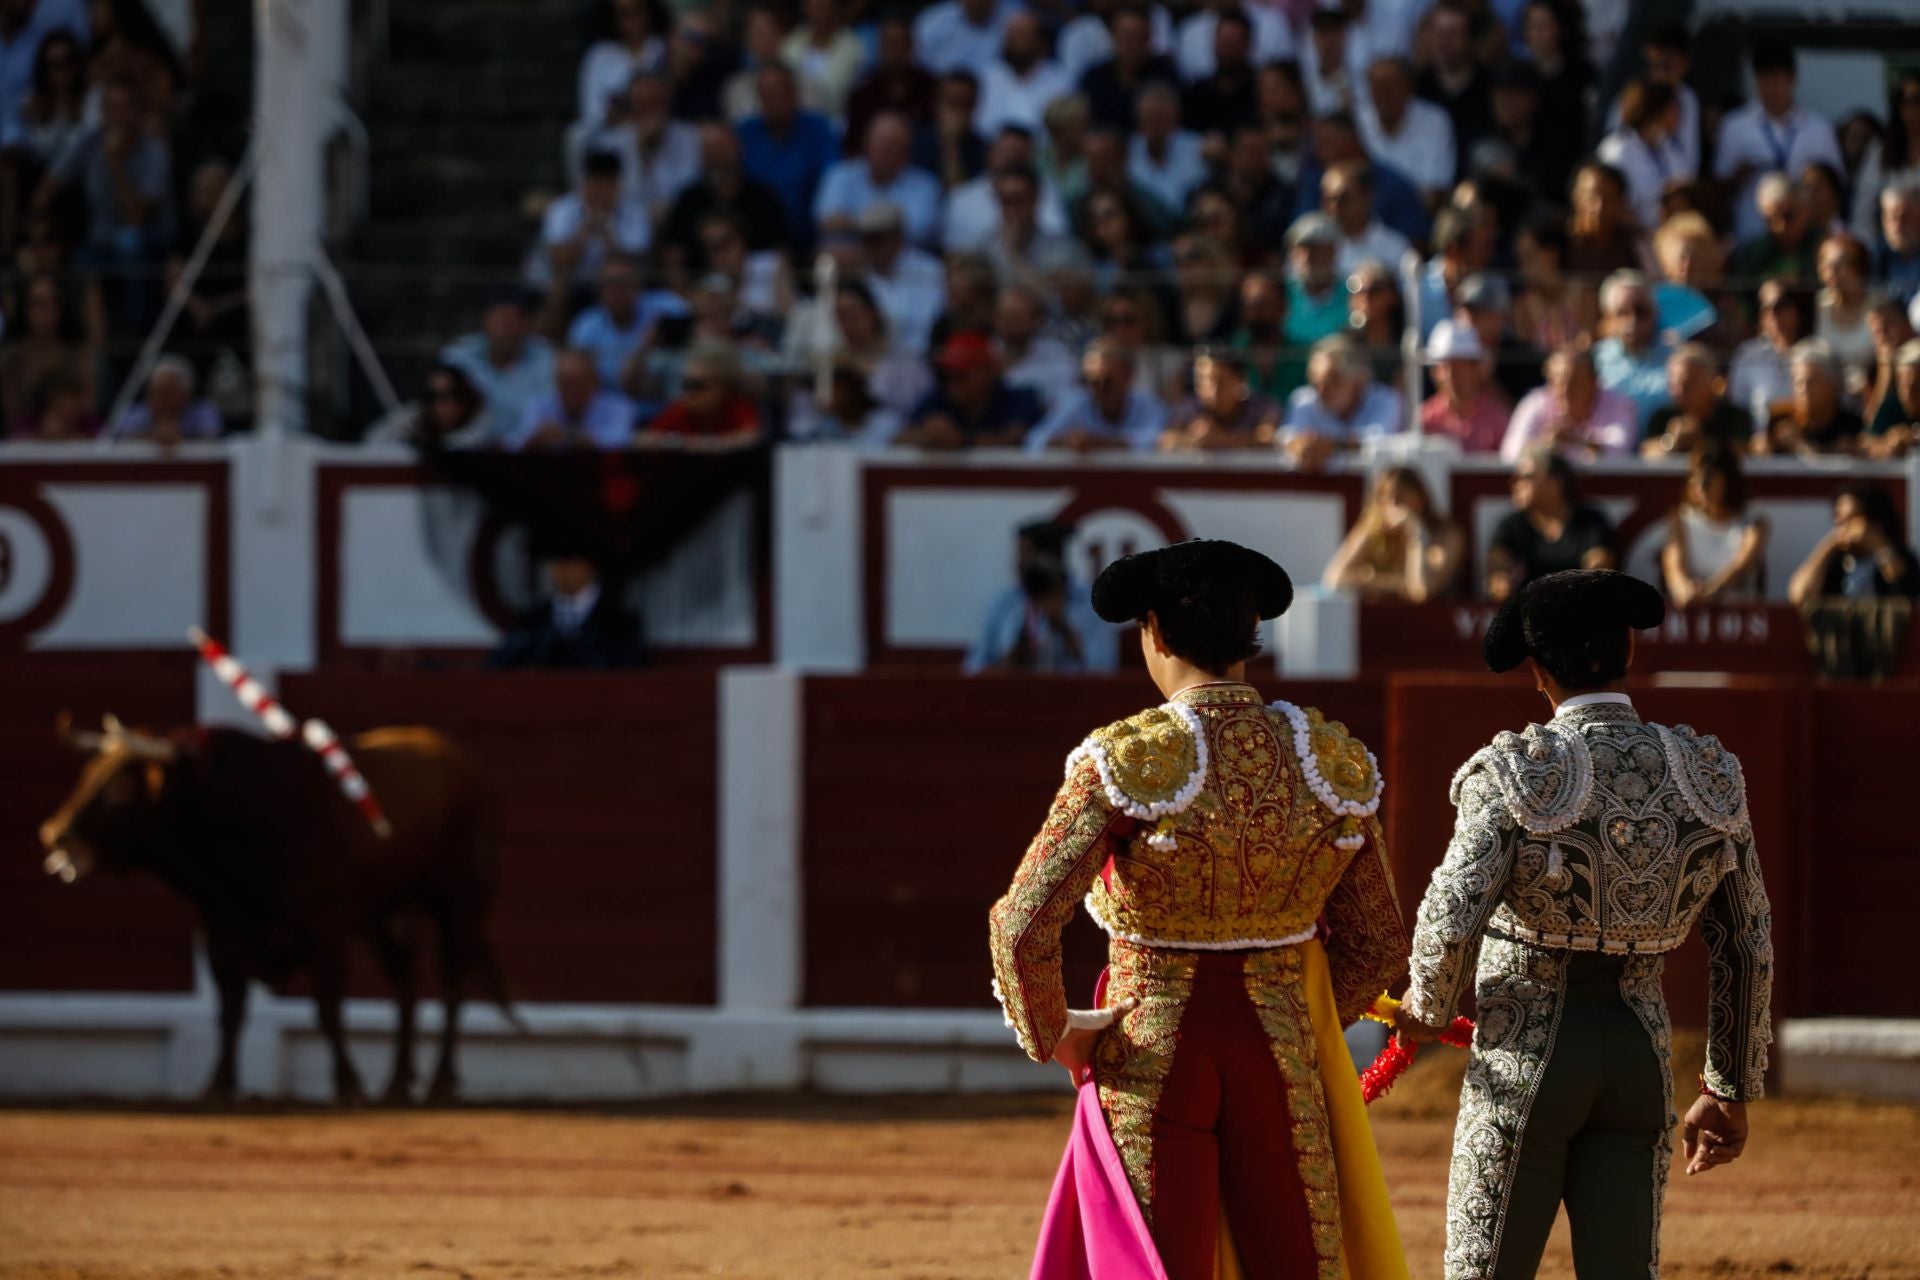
(580, 229)
(973, 406)
(1346, 196)
(909, 284)
(897, 83)
(578, 627)
(760, 277)
(1699, 415)
(1253, 192)
(1549, 529)
(1163, 157)
(700, 57)
(1463, 246)
(1640, 147)
(763, 31)
(850, 412)
(973, 214)
(718, 319)
(973, 297)
(1225, 99)
(1333, 62)
(1823, 193)
(1467, 408)
(577, 413)
(1817, 421)
(1787, 244)
(50, 341)
(711, 407)
(1889, 328)
(1896, 265)
(1197, 37)
(861, 337)
(1113, 86)
(506, 362)
(1632, 358)
(1771, 134)
(1898, 427)
(1572, 414)
(1377, 315)
(610, 65)
(1341, 405)
(170, 413)
(1062, 153)
(1864, 555)
(451, 414)
(1274, 367)
(1758, 379)
(58, 412)
(1316, 293)
(1401, 548)
(1046, 623)
(787, 149)
(1601, 234)
(828, 56)
(1452, 78)
(1225, 412)
(948, 146)
(1483, 301)
(52, 117)
(1401, 130)
(1840, 316)
(724, 188)
(1543, 162)
(621, 322)
(123, 173)
(659, 155)
(1716, 549)
(1282, 115)
(1019, 244)
(1556, 45)
(1686, 299)
(1204, 278)
(1032, 361)
(1016, 87)
(1108, 181)
(1108, 414)
(1397, 202)
(1121, 244)
(965, 34)
(880, 175)
(1090, 39)
(1877, 158)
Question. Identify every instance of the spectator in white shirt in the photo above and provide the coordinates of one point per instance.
(1109, 414)
(1016, 87)
(1413, 136)
(1667, 57)
(1087, 41)
(881, 173)
(827, 57)
(973, 209)
(962, 34)
(507, 363)
(1641, 147)
(1162, 157)
(1193, 47)
(1333, 65)
(582, 228)
(1031, 360)
(1346, 196)
(659, 156)
(910, 285)
(610, 65)
(1771, 134)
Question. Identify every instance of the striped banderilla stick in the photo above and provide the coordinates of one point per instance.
(315, 733)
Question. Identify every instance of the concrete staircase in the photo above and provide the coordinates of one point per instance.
(465, 111)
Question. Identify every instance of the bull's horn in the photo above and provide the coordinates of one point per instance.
(78, 739)
(143, 745)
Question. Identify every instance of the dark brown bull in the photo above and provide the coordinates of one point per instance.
(285, 872)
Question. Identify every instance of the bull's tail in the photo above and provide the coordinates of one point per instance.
(494, 984)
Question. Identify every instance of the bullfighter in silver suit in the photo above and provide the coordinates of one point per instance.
(1586, 849)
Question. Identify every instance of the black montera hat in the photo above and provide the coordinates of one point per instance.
(1548, 613)
(1134, 585)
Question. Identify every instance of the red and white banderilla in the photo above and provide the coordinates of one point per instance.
(318, 736)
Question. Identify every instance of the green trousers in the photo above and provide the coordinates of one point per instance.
(1567, 1100)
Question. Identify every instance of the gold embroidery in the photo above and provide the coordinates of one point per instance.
(1152, 756)
(1131, 1062)
(1279, 997)
(1342, 758)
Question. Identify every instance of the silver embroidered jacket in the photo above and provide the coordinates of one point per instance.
(1598, 832)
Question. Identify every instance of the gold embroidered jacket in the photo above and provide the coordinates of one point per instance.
(1598, 832)
(1212, 822)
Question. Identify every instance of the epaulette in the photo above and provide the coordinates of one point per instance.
(1710, 779)
(1151, 765)
(1545, 775)
(1342, 774)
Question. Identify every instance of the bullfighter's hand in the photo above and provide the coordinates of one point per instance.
(1715, 1133)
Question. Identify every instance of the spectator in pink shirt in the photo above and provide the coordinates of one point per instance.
(1572, 413)
(1467, 408)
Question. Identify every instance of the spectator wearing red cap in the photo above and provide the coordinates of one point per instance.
(973, 405)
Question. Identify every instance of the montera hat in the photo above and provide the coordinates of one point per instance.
(1186, 572)
(1555, 614)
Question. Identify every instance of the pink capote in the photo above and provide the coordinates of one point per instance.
(1094, 1229)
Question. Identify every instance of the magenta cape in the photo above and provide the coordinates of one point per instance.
(1094, 1229)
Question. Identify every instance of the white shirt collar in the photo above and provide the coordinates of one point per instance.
(1579, 700)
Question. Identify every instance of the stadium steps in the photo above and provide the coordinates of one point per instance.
(466, 114)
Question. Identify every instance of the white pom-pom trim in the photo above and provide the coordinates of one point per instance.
(1181, 799)
(1317, 782)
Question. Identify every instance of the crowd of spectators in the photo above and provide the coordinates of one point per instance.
(112, 159)
(1207, 226)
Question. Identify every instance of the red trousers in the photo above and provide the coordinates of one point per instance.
(1220, 1134)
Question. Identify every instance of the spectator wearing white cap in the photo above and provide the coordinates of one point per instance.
(909, 284)
(1316, 292)
(1346, 196)
(1466, 409)
(1572, 414)
(1632, 358)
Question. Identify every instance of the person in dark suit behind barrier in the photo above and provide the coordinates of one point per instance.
(578, 627)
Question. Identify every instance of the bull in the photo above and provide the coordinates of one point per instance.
(285, 873)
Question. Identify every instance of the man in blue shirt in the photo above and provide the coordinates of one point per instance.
(788, 149)
(507, 363)
(576, 414)
(1896, 264)
(612, 331)
(1633, 359)
(1045, 623)
(973, 405)
(1396, 201)
(881, 174)
(1108, 415)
